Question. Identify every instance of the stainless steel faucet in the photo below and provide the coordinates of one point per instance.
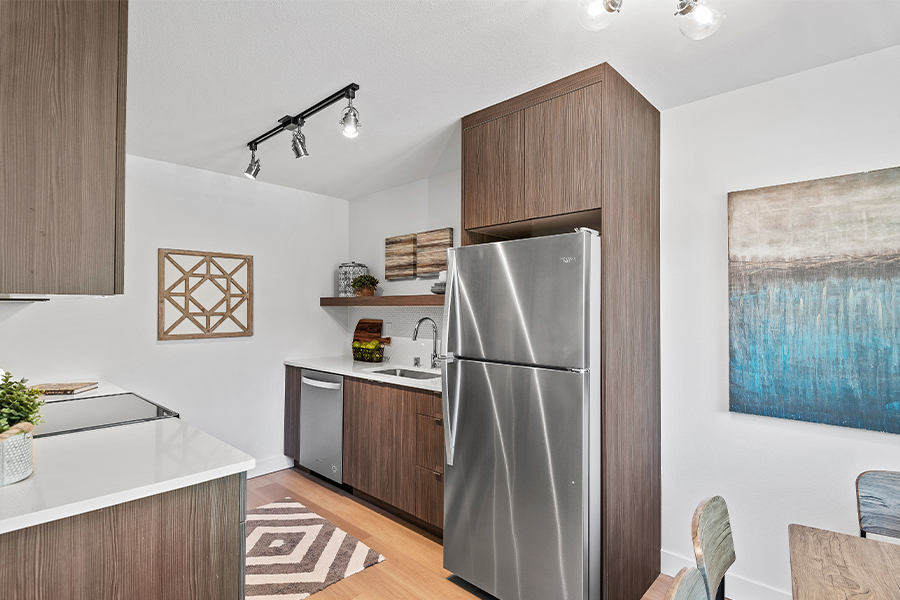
(434, 352)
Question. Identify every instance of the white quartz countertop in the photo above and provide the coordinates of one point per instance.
(345, 365)
(79, 472)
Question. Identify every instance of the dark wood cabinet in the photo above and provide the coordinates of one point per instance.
(591, 159)
(292, 412)
(563, 174)
(380, 441)
(494, 175)
(392, 451)
(62, 146)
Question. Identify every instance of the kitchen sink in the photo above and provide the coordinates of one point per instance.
(408, 373)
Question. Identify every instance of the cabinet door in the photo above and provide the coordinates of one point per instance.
(430, 496)
(493, 172)
(430, 443)
(562, 164)
(62, 146)
(292, 412)
(379, 441)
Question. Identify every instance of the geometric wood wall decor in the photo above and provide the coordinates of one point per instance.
(431, 250)
(204, 295)
(814, 301)
(400, 257)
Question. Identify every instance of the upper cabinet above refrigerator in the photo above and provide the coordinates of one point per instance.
(549, 160)
(62, 140)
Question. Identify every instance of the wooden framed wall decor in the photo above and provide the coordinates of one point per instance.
(204, 295)
(431, 250)
(400, 256)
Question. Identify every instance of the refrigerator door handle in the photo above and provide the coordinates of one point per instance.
(449, 423)
(448, 305)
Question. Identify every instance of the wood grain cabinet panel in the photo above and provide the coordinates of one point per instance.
(292, 412)
(62, 146)
(180, 545)
(430, 496)
(493, 172)
(562, 174)
(379, 441)
(430, 443)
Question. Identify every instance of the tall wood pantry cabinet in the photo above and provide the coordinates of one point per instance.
(584, 152)
(62, 146)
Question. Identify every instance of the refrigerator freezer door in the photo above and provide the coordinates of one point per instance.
(514, 498)
(521, 301)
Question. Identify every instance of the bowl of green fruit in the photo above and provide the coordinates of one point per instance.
(368, 351)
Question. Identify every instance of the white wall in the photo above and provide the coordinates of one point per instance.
(839, 119)
(231, 388)
(432, 203)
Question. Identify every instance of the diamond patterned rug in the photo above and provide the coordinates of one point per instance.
(293, 552)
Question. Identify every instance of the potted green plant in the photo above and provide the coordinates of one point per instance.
(20, 411)
(364, 285)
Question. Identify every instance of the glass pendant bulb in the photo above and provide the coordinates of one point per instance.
(699, 19)
(595, 15)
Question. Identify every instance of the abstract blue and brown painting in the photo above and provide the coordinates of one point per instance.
(814, 293)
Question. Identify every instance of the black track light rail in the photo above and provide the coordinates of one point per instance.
(289, 123)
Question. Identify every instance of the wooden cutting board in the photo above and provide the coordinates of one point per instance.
(368, 330)
(65, 389)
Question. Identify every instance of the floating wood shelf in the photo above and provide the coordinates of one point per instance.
(421, 300)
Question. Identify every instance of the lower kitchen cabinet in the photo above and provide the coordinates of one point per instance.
(292, 412)
(387, 438)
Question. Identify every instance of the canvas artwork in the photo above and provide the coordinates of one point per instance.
(814, 294)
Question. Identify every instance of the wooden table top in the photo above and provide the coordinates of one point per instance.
(826, 565)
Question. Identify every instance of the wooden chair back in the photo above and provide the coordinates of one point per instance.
(713, 545)
(878, 503)
(687, 585)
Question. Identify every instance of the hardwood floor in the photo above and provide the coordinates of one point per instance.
(412, 569)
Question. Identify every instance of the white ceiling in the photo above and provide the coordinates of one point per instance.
(206, 76)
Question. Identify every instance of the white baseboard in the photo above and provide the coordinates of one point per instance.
(736, 587)
(269, 465)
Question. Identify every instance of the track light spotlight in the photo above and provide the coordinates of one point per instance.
(699, 19)
(597, 14)
(350, 120)
(298, 143)
(253, 169)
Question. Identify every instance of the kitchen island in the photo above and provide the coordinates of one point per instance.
(143, 510)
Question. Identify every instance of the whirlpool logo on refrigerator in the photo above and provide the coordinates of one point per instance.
(567, 259)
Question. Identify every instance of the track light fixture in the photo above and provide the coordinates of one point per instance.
(252, 170)
(697, 19)
(349, 122)
(298, 143)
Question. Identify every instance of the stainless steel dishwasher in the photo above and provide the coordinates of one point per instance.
(322, 423)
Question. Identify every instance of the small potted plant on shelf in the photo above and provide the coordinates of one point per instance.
(364, 285)
(20, 411)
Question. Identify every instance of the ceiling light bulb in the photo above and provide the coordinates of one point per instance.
(699, 19)
(298, 144)
(597, 14)
(350, 121)
(253, 169)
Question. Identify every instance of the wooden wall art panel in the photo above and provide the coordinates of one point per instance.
(431, 250)
(204, 295)
(400, 256)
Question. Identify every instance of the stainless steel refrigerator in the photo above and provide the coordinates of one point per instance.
(521, 395)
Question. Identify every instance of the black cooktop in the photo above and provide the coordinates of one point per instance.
(69, 415)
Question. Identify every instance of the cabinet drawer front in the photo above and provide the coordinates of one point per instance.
(430, 497)
(429, 404)
(430, 443)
